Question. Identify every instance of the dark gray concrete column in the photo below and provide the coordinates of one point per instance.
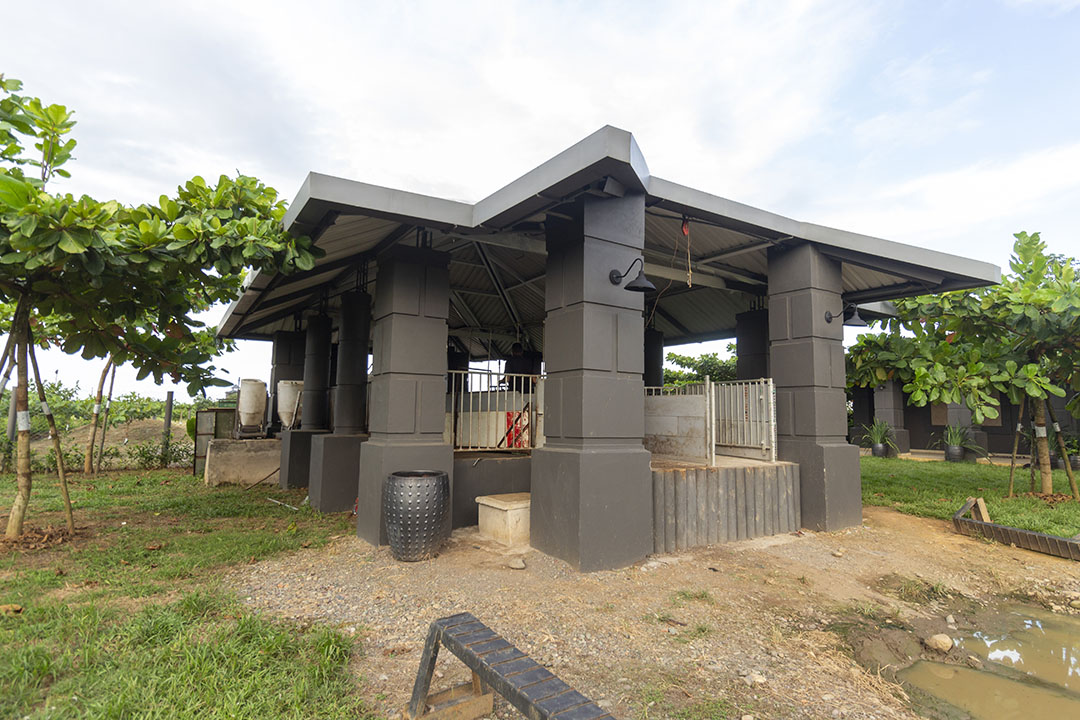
(752, 344)
(315, 404)
(862, 412)
(961, 416)
(958, 414)
(889, 406)
(354, 335)
(408, 378)
(654, 357)
(287, 363)
(591, 487)
(807, 364)
(335, 457)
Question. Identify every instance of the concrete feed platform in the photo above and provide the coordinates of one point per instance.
(242, 462)
(505, 518)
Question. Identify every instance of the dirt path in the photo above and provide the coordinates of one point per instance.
(754, 623)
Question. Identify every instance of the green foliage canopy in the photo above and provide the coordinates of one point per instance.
(696, 369)
(1021, 337)
(119, 280)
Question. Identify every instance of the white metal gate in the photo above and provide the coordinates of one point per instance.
(744, 413)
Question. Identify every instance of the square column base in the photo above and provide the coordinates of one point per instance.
(335, 467)
(296, 457)
(902, 438)
(378, 458)
(592, 507)
(830, 482)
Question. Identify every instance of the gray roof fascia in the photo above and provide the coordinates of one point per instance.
(607, 152)
(322, 193)
(721, 209)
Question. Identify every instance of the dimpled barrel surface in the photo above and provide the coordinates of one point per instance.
(416, 507)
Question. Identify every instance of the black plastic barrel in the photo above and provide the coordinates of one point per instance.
(416, 509)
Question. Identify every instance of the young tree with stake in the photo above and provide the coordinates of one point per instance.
(1019, 339)
(122, 281)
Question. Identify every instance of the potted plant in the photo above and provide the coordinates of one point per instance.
(956, 439)
(879, 437)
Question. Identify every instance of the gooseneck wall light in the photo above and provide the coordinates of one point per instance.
(638, 284)
(854, 321)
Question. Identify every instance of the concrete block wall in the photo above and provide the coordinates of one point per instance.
(706, 506)
(675, 425)
(242, 462)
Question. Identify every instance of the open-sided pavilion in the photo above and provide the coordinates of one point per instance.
(424, 283)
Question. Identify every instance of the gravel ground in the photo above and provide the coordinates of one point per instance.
(674, 631)
(748, 622)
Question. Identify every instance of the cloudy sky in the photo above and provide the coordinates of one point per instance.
(947, 124)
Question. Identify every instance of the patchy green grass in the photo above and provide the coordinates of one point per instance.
(698, 631)
(938, 489)
(708, 710)
(197, 657)
(665, 699)
(129, 619)
(701, 596)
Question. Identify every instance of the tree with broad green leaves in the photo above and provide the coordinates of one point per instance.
(696, 369)
(119, 281)
(1018, 340)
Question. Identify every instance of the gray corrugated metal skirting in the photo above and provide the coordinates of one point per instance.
(704, 506)
(1068, 548)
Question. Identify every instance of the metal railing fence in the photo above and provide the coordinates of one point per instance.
(492, 411)
(678, 390)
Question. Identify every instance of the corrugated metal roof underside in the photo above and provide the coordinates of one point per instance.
(492, 285)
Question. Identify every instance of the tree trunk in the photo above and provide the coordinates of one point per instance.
(166, 435)
(1064, 452)
(8, 364)
(20, 326)
(1016, 443)
(88, 459)
(55, 435)
(105, 421)
(1046, 473)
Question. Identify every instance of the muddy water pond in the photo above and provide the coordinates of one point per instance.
(1030, 668)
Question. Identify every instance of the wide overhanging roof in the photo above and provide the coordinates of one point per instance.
(497, 251)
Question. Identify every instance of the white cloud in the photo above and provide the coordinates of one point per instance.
(479, 92)
(974, 210)
(801, 106)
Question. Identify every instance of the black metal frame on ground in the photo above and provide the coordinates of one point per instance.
(498, 665)
(1068, 548)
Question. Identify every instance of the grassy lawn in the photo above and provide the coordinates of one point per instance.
(130, 620)
(938, 489)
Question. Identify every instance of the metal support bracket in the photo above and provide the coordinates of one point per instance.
(496, 666)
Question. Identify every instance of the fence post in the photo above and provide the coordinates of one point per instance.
(710, 423)
(167, 432)
(772, 417)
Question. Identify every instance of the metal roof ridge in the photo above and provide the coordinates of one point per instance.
(607, 143)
